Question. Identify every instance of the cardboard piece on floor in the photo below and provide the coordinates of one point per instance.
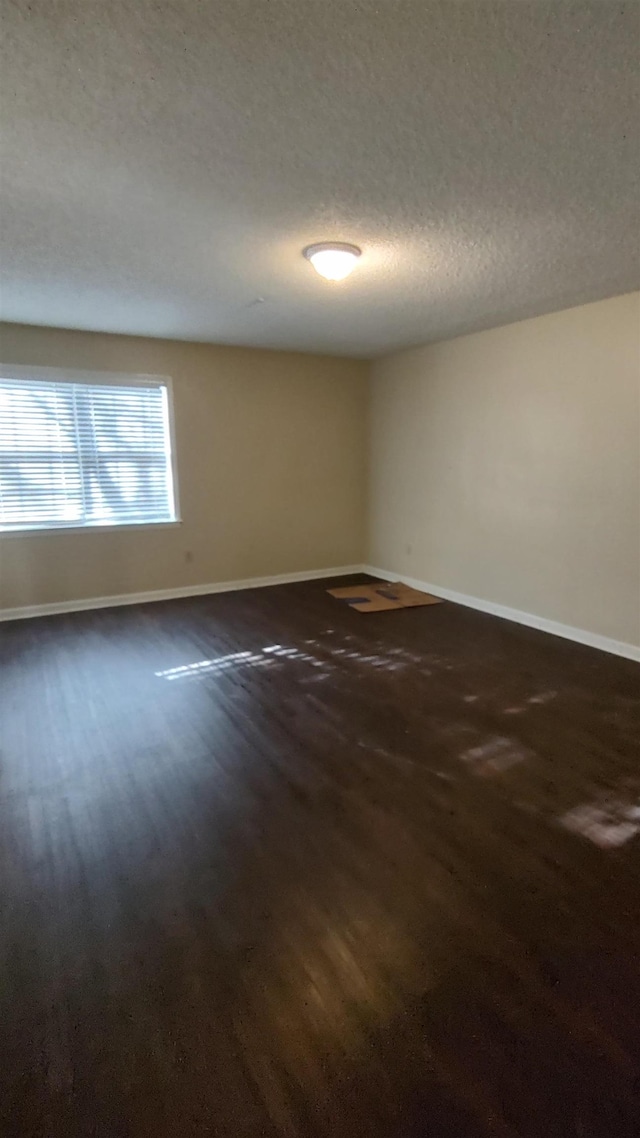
(413, 598)
(382, 597)
(366, 598)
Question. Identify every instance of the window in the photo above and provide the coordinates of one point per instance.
(80, 449)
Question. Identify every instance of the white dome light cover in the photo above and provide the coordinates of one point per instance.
(333, 260)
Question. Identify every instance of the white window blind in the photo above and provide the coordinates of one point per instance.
(84, 453)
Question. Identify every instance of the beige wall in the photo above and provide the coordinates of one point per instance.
(271, 465)
(506, 465)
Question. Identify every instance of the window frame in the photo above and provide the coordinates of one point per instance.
(105, 378)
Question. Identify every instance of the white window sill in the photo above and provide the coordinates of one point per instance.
(49, 531)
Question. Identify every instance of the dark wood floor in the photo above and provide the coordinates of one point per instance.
(271, 867)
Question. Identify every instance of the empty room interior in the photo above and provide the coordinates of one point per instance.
(320, 569)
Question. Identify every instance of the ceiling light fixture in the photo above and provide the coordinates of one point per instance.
(332, 259)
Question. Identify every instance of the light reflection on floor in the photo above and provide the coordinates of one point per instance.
(218, 664)
(326, 654)
(234, 660)
(498, 754)
(607, 823)
(395, 659)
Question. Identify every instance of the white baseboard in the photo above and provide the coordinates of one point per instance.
(172, 594)
(580, 635)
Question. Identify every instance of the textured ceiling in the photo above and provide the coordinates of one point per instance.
(164, 163)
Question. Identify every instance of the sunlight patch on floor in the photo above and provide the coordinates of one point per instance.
(263, 657)
(218, 664)
(605, 823)
(497, 755)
